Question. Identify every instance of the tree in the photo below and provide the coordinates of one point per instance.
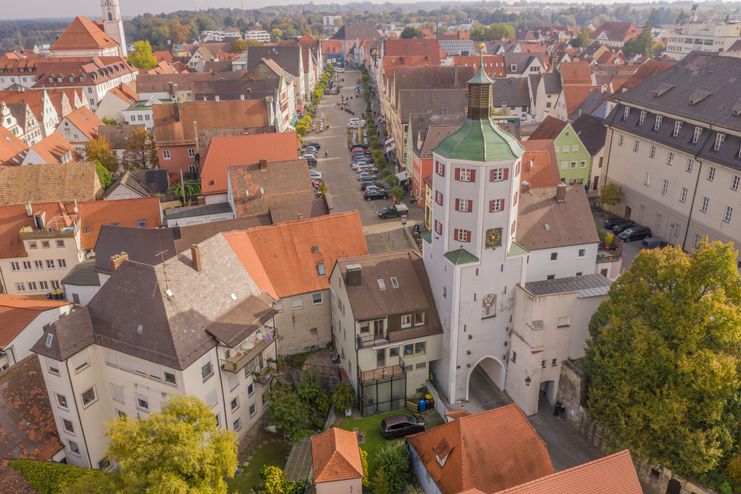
(343, 397)
(398, 192)
(141, 150)
(610, 195)
(496, 31)
(364, 464)
(274, 481)
(238, 46)
(380, 483)
(393, 461)
(410, 32)
(663, 359)
(311, 391)
(180, 449)
(643, 44)
(142, 56)
(288, 412)
(582, 39)
(98, 150)
(104, 176)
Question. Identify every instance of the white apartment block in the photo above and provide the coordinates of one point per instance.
(704, 37)
(489, 237)
(674, 146)
(258, 35)
(128, 351)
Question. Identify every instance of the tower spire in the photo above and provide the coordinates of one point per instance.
(479, 91)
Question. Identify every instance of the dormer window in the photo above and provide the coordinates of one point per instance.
(677, 127)
(626, 113)
(696, 135)
(320, 269)
(49, 339)
(394, 282)
(381, 284)
(719, 138)
(657, 123)
(642, 118)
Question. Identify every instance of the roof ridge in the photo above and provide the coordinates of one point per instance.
(379, 254)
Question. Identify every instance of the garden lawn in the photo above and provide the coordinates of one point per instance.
(374, 441)
(271, 453)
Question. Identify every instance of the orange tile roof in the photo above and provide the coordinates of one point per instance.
(224, 152)
(283, 258)
(163, 56)
(42, 183)
(18, 311)
(125, 212)
(85, 120)
(575, 72)
(83, 34)
(391, 63)
(419, 47)
(335, 456)
(331, 46)
(125, 93)
(11, 147)
(494, 65)
(645, 72)
(489, 451)
(575, 96)
(539, 164)
(614, 474)
(616, 31)
(33, 98)
(53, 148)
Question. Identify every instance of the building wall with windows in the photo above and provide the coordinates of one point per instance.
(561, 262)
(20, 346)
(705, 37)
(42, 270)
(305, 321)
(574, 161)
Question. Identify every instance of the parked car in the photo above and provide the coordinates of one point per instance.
(360, 147)
(612, 221)
(654, 243)
(315, 174)
(353, 123)
(367, 181)
(367, 176)
(307, 156)
(623, 226)
(313, 144)
(402, 425)
(311, 162)
(393, 211)
(309, 149)
(372, 193)
(384, 185)
(636, 232)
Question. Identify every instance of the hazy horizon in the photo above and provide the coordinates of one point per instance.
(48, 9)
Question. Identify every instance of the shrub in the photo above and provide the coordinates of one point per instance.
(49, 478)
(343, 397)
(393, 461)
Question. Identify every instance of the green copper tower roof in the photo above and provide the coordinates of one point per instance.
(480, 140)
(481, 77)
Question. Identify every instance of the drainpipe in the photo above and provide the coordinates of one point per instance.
(77, 408)
(692, 205)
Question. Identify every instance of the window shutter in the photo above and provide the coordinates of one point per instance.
(492, 173)
(457, 204)
(491, 206)
(457, 173)
(455, 234)
(442, 169)
(473, 175)
(505, 175)
(470, 205)
(502, 204)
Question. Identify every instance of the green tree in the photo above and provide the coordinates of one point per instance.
(364, 463)
(496, 31)
(610, 195)
(238, 46)
(582, 40)
(288, 412)
(142, 56)
(393, 460)
(410, 32)
(179, 449)
(141, 150)
(643, 44)
(98, 150)
(343, 397)
(380, 483)
(104, 176)
(274, 481)
(663, 359)
(311, 391)
(398, 192)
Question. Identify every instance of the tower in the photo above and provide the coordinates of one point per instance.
(472, 258)
(113, 24)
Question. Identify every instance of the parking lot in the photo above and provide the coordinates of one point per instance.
(343, 187)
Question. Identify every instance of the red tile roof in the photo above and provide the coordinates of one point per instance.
(616, 31)
(489, 451)
(11, 147)
(494, 65)
(335, 456)
(614, 474)
(224, 152)
(575, 72)
(27, 426)
(283, 258)
(539, 164)
(83, 34)
(422, 47)
(549, 128)
(52, 149)
(575, 96)
(86, 121)
(645, 72)
(17, 312)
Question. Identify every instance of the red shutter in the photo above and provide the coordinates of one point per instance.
(470, 205)
(492, 173)
(505, 176)
(457, 204)
(473, 175)
(455, 234)
(502, 205)
(491, 206)
(457, 173)
(442, 169)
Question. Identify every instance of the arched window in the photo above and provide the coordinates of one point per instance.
(110, 16)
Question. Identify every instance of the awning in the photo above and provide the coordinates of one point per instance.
(388, 141)
(403, 175)
(390, 148)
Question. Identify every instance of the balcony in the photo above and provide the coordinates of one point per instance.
(384, 373)
(370, 341)
(249, 349)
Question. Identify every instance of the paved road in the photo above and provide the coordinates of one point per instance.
(343, 187)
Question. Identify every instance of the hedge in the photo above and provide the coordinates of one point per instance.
(47, 477)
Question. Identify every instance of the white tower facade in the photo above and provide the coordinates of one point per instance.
(113, 23)
(472, 258)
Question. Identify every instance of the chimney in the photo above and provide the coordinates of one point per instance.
(561, 192)
(117, 260)
(29, 209)
(263, 164)
(525, 186)
(354, 277)
(195, 253)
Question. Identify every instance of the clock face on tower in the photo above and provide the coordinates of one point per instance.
(493, 238)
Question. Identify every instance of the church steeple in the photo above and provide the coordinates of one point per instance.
(113, 24)
(479, 92)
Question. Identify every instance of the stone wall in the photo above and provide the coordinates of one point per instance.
(571, 394)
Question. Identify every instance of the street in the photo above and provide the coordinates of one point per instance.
(343, 188)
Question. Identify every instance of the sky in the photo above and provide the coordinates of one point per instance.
(28, 9)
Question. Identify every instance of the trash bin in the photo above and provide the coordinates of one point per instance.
(422, 406)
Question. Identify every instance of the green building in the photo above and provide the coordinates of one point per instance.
(574, 160)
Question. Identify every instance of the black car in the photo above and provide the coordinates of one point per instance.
(372, 193)
(622, 226)
(402, 425)
(612, 221)
(389, 212)
(636, 232)
(313, 145)
(654, 243)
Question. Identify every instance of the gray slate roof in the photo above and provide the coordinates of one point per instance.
(288, 57)
(592, 132)
(83, 274)
(199, 210)
(69, 334)
(352, 32)
(455, 47)
(511, 92)
(430, 101)
(591, 285)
